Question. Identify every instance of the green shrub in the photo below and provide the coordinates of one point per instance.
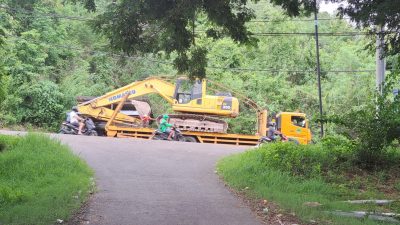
(249, 173)
(7, 142)
(374, 127)
(40, 104)
(331, 154)
(41, 180)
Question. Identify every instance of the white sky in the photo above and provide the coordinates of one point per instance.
(328, 7)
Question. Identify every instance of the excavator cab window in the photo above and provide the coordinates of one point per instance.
(185, 91)
(184, 98)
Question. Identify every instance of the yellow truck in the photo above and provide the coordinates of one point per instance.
(198, 115)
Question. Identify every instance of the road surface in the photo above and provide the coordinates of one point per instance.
(158, 182)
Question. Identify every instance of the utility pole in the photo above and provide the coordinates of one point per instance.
(380, 61)
(318, 66)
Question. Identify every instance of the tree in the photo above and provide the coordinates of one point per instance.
(150, 26)
(372, 13)
(367, 14)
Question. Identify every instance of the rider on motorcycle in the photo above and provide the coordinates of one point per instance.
(271, 131)
(165, 127)
(76, 120)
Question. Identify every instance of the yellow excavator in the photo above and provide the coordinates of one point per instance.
(197, 112)
(197, 109)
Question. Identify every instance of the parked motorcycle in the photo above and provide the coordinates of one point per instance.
(178, 136)
(89, 129)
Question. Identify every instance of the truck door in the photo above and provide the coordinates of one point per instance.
(298, 127)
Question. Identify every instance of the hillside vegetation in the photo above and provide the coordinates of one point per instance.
(50, 54)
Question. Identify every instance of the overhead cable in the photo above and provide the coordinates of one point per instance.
(272, 70)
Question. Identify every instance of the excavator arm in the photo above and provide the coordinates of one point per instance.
(97, 108)
(137, 89)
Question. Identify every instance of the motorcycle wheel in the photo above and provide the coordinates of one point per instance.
(180, 138)
(156, 137)
(62, 131)
(93, 133)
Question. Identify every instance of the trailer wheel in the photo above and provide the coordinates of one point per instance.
(190, 139)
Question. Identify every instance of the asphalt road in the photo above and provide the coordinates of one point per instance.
(143, 182)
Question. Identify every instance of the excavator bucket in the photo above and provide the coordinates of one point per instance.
(143, 108)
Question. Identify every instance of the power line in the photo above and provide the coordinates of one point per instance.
(79, 49)
(329, 34)
(32, 13)
(333, 34)
(294, 20)
(290, 71)
(76, 48)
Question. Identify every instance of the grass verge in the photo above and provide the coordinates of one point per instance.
(41, 180)
(249, 172)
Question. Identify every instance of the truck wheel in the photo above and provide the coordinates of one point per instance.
(295, 141)
(190, 139)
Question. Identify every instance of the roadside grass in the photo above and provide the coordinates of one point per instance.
(41, 180)
(247, 172)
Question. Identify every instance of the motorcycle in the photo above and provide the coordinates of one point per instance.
(178, 136)
(89, 129)
(278, 138)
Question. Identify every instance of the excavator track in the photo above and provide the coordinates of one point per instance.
(191, 122)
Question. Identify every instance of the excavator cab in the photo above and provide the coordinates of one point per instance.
(185, 91)
(190, 97)
(294, 125)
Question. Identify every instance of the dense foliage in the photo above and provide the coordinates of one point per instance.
(152, 26)
(374, 126)
(50, 55)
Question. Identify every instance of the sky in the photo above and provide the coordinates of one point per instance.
(328, 7)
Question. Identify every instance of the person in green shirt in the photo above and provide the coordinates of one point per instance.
(165, 127)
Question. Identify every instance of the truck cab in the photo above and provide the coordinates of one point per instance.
(294, 125)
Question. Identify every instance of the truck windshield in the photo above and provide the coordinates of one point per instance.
(299, 121)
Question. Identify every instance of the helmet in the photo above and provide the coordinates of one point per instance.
(75, 109)
(165, 116)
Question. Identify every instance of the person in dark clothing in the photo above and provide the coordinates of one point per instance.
(271, 131)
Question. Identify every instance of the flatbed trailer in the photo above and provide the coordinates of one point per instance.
(302, 134)
(201, 137)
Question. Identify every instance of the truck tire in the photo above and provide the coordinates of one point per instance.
(190, 139)
(295, 141)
